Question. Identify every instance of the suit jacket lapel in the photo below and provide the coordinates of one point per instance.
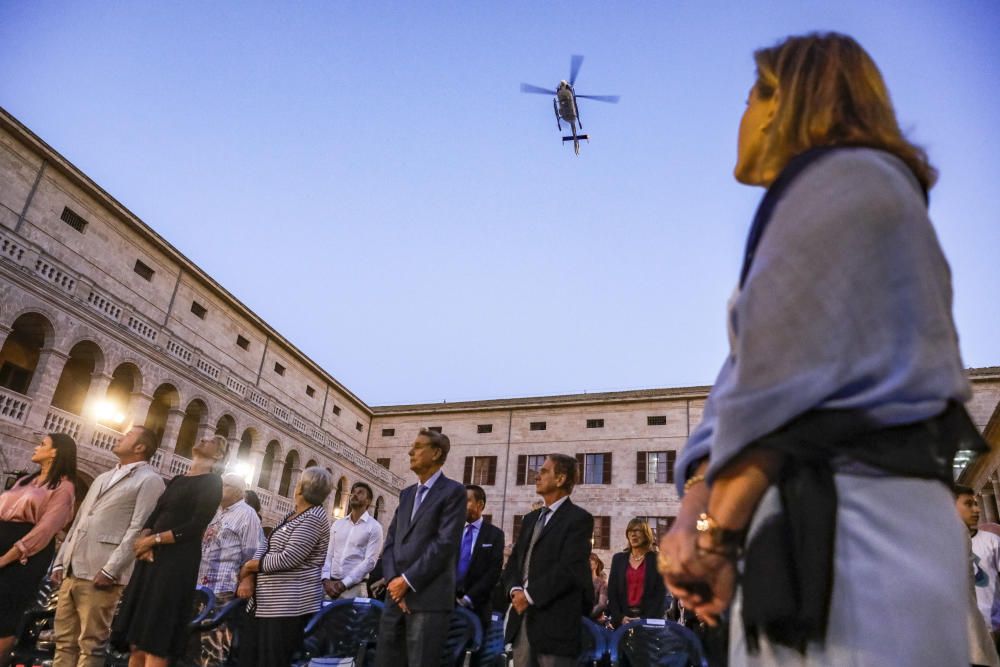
(547, 528)
(104, 491)
(406, 508)
(422, 510)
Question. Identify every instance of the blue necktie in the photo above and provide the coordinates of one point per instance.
(421, 490)
(465, 557)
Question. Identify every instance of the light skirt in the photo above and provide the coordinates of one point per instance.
(900, 594)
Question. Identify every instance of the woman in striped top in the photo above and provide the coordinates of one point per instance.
(283, 580)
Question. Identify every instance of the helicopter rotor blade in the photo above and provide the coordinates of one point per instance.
(528, 88)
(610, 99)
(574, 68)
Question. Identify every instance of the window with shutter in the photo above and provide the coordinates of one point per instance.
(483, 470)
(516, 531)
(640, 467)
(602, 532)
(607, 469)
(467, 475)
(596, 467)
(522, 465)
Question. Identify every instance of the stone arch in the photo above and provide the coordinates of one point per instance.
(379, 508)
(31, 332)
(247, 441)
(312, 463)
(341, 495)
(291, 463)
(47, 317)
(271, 454)
(165, 398)
(86, 359)
(114, 408)
(226, 426)
(195, 415)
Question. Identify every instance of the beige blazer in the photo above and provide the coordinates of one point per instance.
(107, 524)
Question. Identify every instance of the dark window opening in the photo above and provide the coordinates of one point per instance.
(484, 428)
(595, 423)
(310, 392)
(656, 420)
(198, 309)
(243, 342)
(537, 426)
(143, 270)
(73, 219)
(279, 369)
(388, 432)
(383, 462)
(359, 426)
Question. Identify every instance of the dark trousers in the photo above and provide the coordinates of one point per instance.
(271, 642)
(411, 640)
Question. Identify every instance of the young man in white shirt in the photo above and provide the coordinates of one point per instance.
(355, 545)
(985, 559)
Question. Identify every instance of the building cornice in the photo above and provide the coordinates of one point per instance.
(57, 161)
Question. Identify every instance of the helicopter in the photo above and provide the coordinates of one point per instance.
(564, 102)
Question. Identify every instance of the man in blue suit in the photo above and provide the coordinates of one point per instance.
(419, 560)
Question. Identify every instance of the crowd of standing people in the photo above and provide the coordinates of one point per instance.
(841, 398)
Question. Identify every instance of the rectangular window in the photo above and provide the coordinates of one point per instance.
(359, 426)
(243, 342)
(73, 219)
(143, 270)
(199, 310)
(336, 409)
(481, 470)
(537, 426)
(310, 392)
(655, 467)
(594, 468)
(528, 466)
(436, 429)
(656, 420)
(602, 532)
(484, 428)
(383, 462)
(388, 432)
(279, 369)
(518, 518)
(659, 525)
(595, 423)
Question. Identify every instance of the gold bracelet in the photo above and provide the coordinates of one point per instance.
(692, 481)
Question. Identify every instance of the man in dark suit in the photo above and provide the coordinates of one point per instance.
(419, 560)
(548, 574)
(480, 558)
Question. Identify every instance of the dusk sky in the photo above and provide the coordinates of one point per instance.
(367, 177)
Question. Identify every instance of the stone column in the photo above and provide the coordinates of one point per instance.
(97, 392)
(169, 441)
(43, 385)
(294, 481)
(995, 500)
(4, 332)
(234, 448)
(256, 460)
(137, 409)
(277, 468)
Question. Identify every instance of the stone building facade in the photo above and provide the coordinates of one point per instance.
(103, 323)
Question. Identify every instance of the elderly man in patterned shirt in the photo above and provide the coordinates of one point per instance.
(230, 540)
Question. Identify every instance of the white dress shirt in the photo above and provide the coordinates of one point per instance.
(353, 550)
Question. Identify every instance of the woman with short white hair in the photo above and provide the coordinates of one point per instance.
(283, 581)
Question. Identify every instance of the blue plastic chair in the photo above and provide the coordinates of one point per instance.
(204, 604)
(465, 636)
(595, 643)
(655, 642)
(491, 653)
(343, 629)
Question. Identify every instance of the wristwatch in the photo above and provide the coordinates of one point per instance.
(727, 543)
(157, 538)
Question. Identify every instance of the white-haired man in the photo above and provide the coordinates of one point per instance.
(230, 540)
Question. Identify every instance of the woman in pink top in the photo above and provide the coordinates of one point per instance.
(31, 513)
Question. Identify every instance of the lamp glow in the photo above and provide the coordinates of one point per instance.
(106, 411)
(244, 470)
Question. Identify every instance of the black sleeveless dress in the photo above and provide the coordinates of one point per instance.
(159, 600)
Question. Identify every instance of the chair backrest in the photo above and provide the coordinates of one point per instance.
(594, 643)
(204, 605)
(654, 642)
(465, 636)
(223, 613)
(492, 647)
(343, 629)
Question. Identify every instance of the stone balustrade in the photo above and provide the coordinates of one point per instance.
(60, 421)
(13, 406)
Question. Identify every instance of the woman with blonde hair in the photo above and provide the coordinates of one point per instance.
(635, 589)
(824, 455)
